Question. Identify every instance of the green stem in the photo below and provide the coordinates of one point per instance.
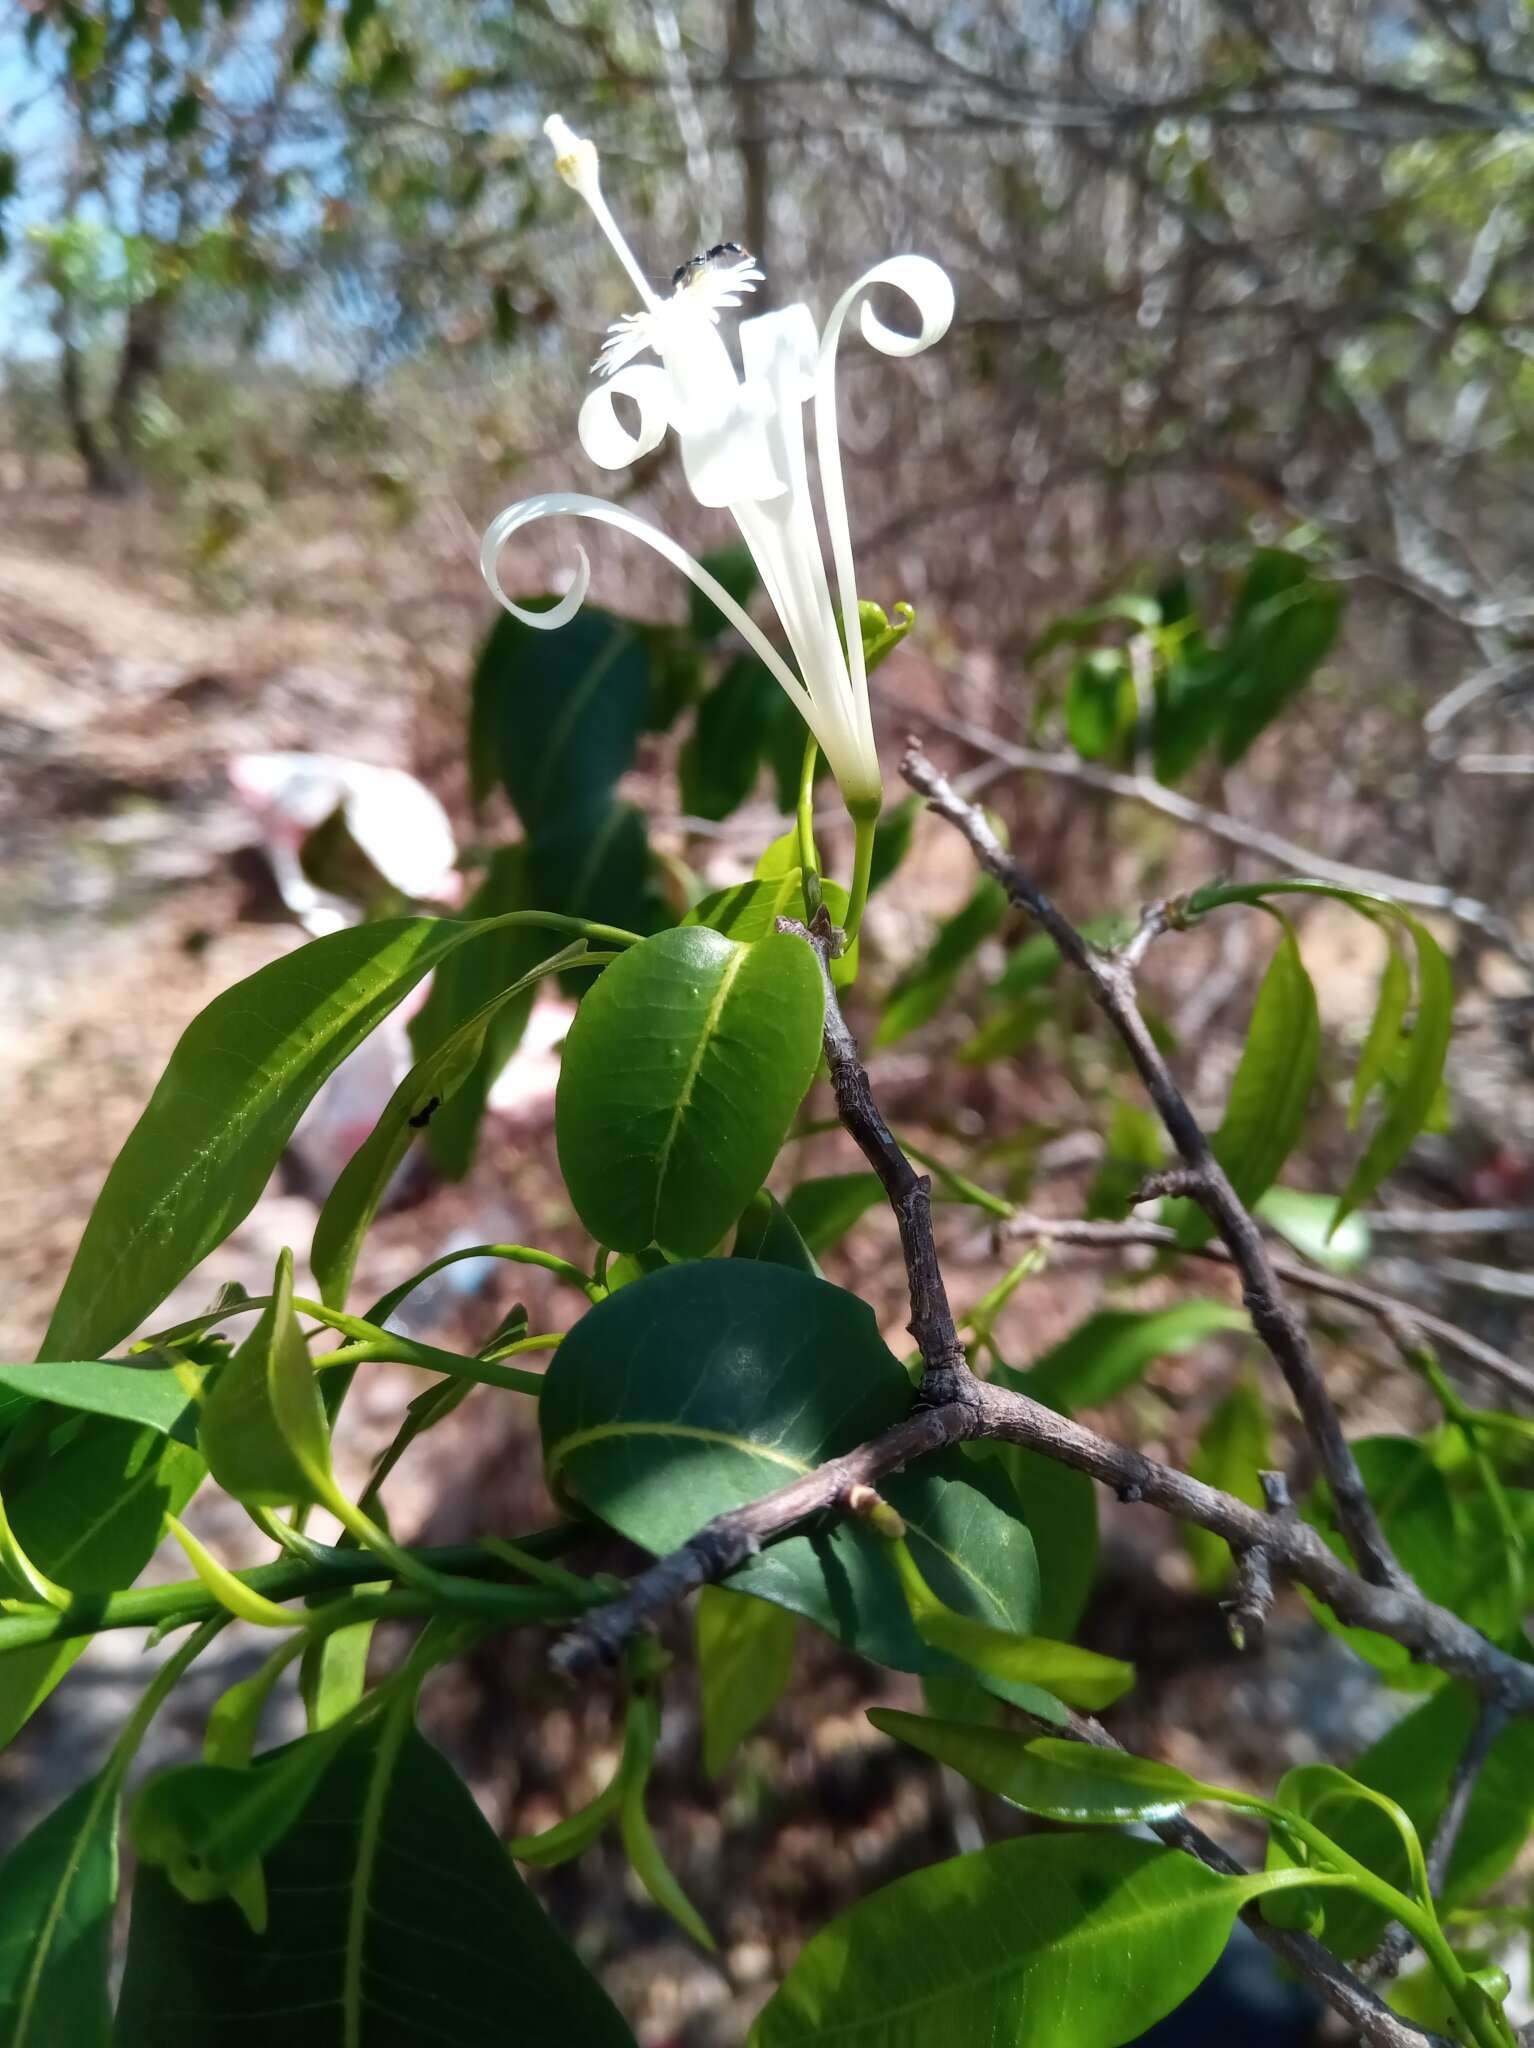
(518, 1254)
(332, 1570)
(865, 820)
(404, 1351)
(809, 860)
(158, 1690)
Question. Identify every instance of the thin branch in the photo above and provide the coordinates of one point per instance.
(1272, 1317)
(1491, 925)
(1518, 1379)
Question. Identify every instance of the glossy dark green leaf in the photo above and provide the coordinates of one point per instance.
(681, 1075)
(243, 1073)
(766, 1231)
(745, 1649)
(264, 1431)
(596, 866)
(707, 1385)
(920, 994)
(395, 1917)
(1053, 1941)
(1064, 1781)
(1420, 1077)
(734, 725)
(556, 715)
(462, 985)
(1061, 1510)
(158, 1389)
(825, 1209)
(90, 1513)
(435, 1079)
(57, 1890)
(1113, 1347)
(1232, 1450)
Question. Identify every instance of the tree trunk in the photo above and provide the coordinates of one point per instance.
(101, 478)
(142, 359)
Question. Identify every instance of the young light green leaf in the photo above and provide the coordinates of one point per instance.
(1420, 1078)
(57, 1890)
(206, 1824)
(1056, 1941)
(1384, 1032)
(766, 1231)
(1065, 1781)
(1272, 1084)
(1113, 1347)
(240, 1600)
(572, 1836)
(161, 1390)
(1232, 1450)
(681, 1075)
(1305, 1218)
(388, 1839)
(353, 1202)
(263, 1426)
(745, 1649)
(639, 1843)
(1080, 1677)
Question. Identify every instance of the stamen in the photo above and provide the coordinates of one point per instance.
(575, 159)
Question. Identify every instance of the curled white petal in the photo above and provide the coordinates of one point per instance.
(577, 505)
(604, 436)
(929, 289)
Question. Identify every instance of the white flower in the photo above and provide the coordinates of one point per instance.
(743, 447)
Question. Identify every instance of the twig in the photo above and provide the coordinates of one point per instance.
(1285, 853)
(1384, 1307)
(1449, 1222)
(1272, 1317)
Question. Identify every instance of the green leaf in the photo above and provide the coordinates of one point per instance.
(1075, 627)
(1056, 1941)
(734, 567)
(460, 986)
(1384, 1033)
(766, 1231)
(748, 911)
(1416, 1512)
(1283, 626)
(160, 1390)
(395, 1916)
(90, 1513)
(243, 1073)
(1111, 1349)
(1100, 707)
(57, 1890)
(1232, 1450)
(920, 994)
(1366, 1822)
(722, 756)
(1420, 1078)
(1080, 1677)
(681, 1075)
(1061, 1510)
(204, 1825)
(1135, 1147)
(557, 715)
(639, 1843)
(1064, 1781)
(825, 1209)
(745, 1649)
(263, 1426)
(353, 1202)
(1305, 1220)
(705, 1386)
(1271, 1089)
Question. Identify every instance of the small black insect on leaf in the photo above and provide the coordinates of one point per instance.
(424, 1116)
